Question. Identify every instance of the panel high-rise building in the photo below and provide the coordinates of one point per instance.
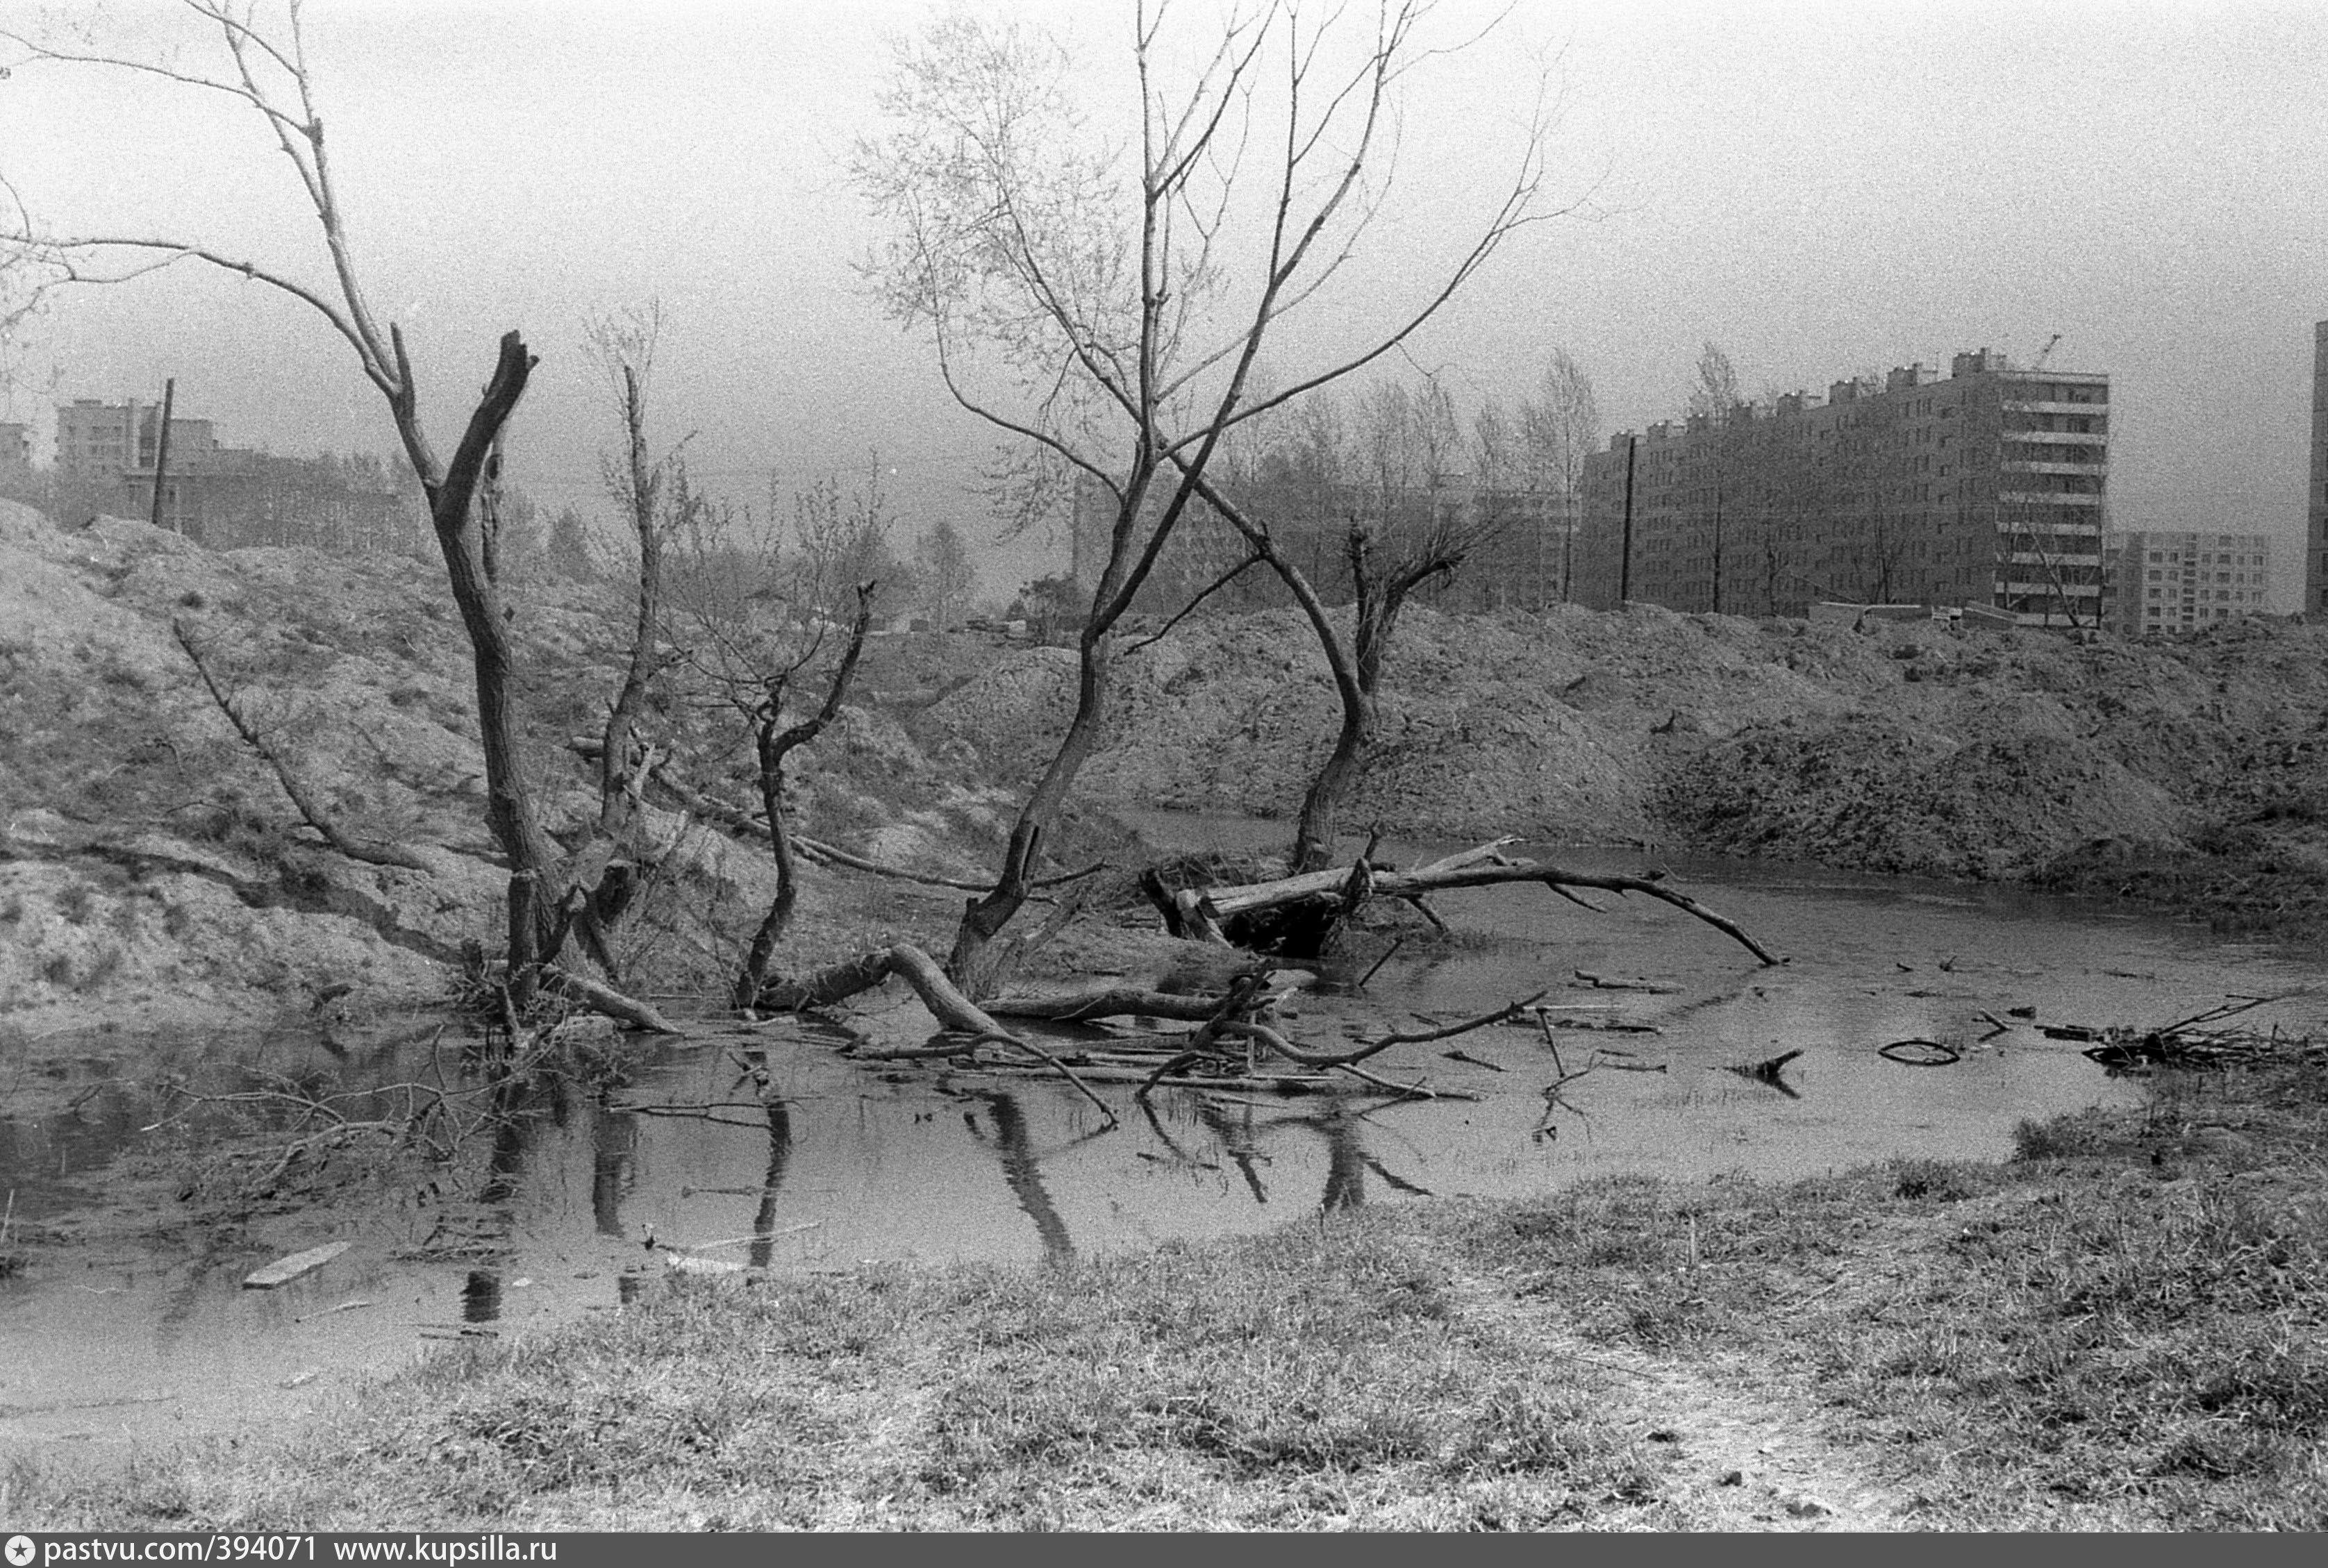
(2171, 581)
(1987, 487)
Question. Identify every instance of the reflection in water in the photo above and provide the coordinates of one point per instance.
(1236, 1134)
(508, 1157)
(1346, 1162)
(873, 1165)
(779, 1155)
(481, 1296)
(1021, 1171)
(614, 1167)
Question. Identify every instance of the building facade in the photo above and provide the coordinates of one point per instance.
(1985, 487)
(1519, 543)
(109, 451)
(2316, 494)
(97, 440)
(2187, 581)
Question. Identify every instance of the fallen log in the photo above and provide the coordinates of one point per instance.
(947, 1004)
(610, 1001)
(1112, 1002)
(282, 1271)
(1482, 867)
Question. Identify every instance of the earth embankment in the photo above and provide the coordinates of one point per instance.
(151, 868)
(2189, 773)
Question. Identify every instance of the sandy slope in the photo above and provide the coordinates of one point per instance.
(150, 868)
(1903, 748)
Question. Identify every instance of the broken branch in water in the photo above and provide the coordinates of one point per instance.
(1768, 1072)
(1481, 867)
(953, 1011)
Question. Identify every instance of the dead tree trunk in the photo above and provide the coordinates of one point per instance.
(1483, 867)
(538, 886)
(954, 1010)
(1356, 662)
(614, 854)
(983, 918)
(1380, 599)
(772, 746)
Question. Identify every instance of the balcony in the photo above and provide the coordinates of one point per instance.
(2081, 410)
(2046, 498)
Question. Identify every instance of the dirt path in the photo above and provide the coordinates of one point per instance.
(1741, 1451)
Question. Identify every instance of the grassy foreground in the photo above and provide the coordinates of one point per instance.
(2121, 1328)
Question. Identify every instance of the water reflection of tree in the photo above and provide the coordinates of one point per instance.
(780, 1157)
(614, 1167)
(1240, 1134)
(1235, 1135)
(1022, 1169)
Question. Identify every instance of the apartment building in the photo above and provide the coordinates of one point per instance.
(1519, 542)
(2171, 581)
(113, 447)
(1986, 487)
(2316, 494)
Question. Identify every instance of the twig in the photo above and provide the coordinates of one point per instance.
(1475, 1061)
(1378, 962)
(764, 1236)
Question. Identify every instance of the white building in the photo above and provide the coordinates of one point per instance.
(2186, 581)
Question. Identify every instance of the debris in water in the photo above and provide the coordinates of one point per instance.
(342, 1307)
(282, 1271)
(1920, 1053)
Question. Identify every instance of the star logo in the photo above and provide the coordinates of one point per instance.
(20, 1551)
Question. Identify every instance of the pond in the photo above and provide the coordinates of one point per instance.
(137, 1332)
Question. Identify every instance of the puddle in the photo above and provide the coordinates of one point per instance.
(580, 1203)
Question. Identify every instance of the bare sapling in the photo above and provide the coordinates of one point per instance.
(1104, 302)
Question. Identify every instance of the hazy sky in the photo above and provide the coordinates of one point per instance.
(1823, 190)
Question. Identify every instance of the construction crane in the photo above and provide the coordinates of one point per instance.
(2044, 354)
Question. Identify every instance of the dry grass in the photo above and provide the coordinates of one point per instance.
(1316, 1379)
(2121, 1329)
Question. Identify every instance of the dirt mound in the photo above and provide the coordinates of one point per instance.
(2185, 770)
(1866, 791)
(150, 864)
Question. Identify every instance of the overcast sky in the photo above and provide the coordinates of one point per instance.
(1823, 190)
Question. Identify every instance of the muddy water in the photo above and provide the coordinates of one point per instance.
(134, 1332)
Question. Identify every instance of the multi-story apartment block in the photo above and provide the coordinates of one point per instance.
(115, 446)
(102, 441)
(95, 440)
(1986, 487)
(2186, 581)
(2316, 494)
(1519, 542)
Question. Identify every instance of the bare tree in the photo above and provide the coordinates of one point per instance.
(948, 575)
(841, 542)
(1403, 530)
(266, 68)
(752, 623)
(1503, 505)
(656, 504)
(772, 743)
(1105, 306)
(1559, 428)
(1714, 399)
